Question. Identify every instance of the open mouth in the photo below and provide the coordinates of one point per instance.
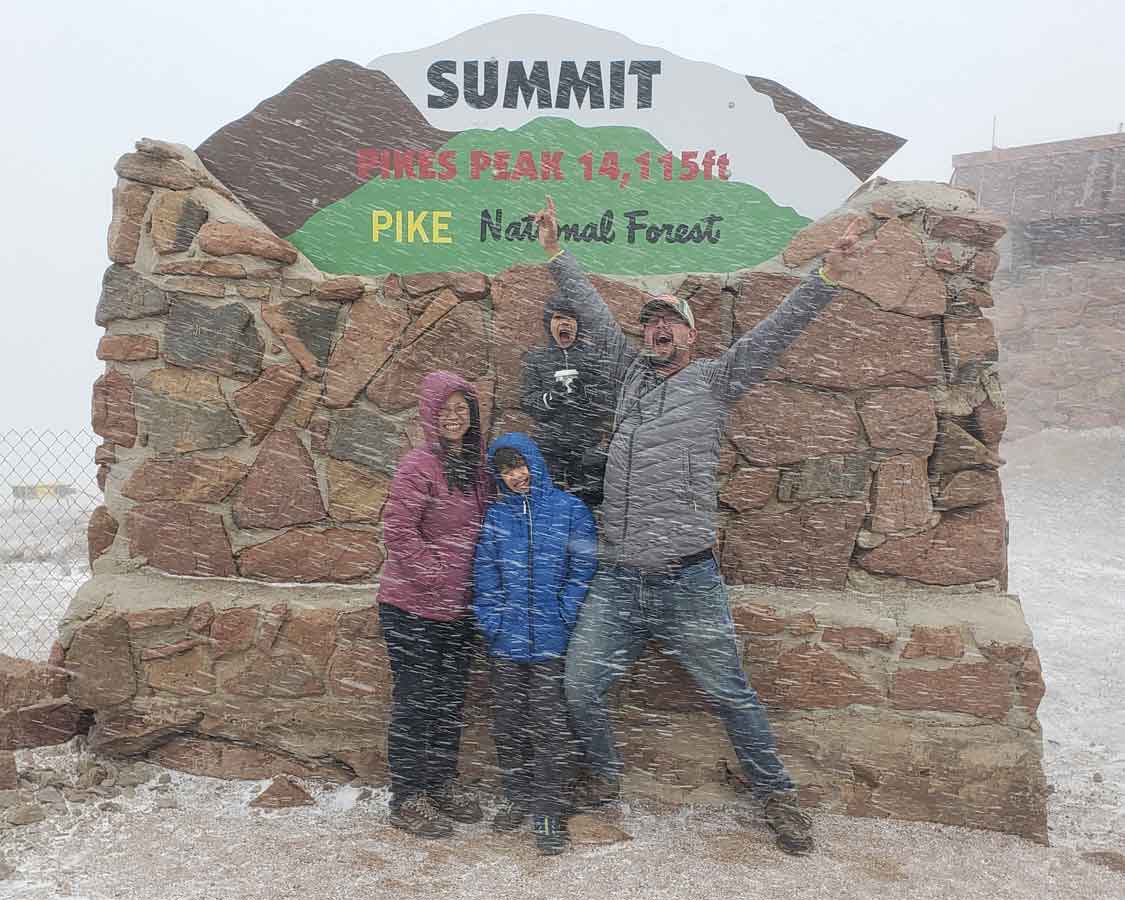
(663, 341)
(565, 334)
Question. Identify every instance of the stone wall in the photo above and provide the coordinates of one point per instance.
(253, 410)
(1060, 288)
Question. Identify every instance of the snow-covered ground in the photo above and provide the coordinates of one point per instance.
(43, 551)
(33, 597)
(43, 562)
(194, 837)
(1065, 493)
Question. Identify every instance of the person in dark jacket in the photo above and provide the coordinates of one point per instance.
(430, 526)
(534, 561)
(566, 392)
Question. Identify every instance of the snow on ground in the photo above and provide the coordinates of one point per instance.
(197, 838)
(33, 597)
(43, 562)
(1066, 559)
(48, 488)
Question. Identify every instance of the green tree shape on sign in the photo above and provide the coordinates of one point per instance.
(753, 228)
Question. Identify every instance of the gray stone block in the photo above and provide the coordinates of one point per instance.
(366, 438)
(843, 477)
(315, 326)
(220, 339)
(127, 295)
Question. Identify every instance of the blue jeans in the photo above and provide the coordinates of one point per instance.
(688, 613)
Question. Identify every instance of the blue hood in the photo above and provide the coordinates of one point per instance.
(529, 450)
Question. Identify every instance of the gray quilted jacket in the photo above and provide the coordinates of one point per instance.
(660, 493)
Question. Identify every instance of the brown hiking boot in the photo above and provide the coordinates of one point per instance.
(417, 816)
(792, 827)
(454, 801)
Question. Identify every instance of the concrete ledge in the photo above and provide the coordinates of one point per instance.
(917, 705)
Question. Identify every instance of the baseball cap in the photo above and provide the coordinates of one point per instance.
(678, 306)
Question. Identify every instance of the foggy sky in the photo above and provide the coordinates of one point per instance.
(81, 83)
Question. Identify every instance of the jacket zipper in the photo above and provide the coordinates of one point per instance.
(629, 460)
(530, 577)
(628, 478)
(690, 481)
(628, 452)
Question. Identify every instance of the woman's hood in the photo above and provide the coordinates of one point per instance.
(432, 394)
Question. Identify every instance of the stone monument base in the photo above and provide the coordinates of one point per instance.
(911, 704)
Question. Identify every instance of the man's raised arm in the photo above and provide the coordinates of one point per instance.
(750, 358)
(594, 317)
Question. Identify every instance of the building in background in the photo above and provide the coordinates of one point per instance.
(1060, 291)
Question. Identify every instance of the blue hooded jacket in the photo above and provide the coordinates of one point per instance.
(536, 555)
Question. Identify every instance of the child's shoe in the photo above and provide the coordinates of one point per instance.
(550, 835)
(509, 816)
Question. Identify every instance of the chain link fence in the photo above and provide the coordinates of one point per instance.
(48, 488)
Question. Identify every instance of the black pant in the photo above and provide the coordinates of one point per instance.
(430, 664)
(532, 733)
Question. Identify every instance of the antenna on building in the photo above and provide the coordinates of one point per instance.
(993, 132)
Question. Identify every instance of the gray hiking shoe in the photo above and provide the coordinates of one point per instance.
(792, 827)
(417, 816)
(509, 816)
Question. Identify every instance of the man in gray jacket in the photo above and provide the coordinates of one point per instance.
(659, 577)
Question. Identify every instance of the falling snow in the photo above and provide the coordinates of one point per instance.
(194, 837)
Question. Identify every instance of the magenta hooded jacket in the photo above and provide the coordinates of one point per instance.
(429, 529)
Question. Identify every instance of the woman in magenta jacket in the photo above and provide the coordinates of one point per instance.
(430, 527)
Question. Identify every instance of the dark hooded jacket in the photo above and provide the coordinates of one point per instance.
(533, 565)
(429, 528)
(565, 429)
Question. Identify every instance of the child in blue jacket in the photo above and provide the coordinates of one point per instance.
(536, 555)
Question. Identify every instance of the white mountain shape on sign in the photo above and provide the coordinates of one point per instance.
(695, 105)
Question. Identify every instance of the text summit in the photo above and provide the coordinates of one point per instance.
(521, 84)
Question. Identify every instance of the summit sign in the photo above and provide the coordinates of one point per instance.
(431, 160)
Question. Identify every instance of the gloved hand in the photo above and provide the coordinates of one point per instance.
(555, 399)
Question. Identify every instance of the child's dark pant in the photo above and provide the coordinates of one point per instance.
(532, 733)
